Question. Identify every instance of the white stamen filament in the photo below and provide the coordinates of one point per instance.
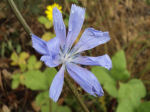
(66, 58)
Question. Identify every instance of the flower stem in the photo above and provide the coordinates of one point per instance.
(19, 16)
(29, 31)
(50, 105)
(75, 93)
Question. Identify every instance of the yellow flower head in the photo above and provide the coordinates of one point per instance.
(49, 10)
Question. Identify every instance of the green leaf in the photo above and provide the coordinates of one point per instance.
(14, 58)
(15, 81)
(139, 87)
(43, 20)
(106, 80)
(119, 60)
(22, 57)
(131, 92)
(111, 89)
(22, 61)
(119, 71)
(47, 36)
(125, 106)
(45, 108)
(102, 74)
(19, 60)
(38, 65)
(50, 74)
(42, 100)
(35, 80)
(15, 84)
(120, 74)
(62, 109)
(33, 63)
(144, 107)
(22, 67)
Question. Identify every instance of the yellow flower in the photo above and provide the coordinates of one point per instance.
(49, 10)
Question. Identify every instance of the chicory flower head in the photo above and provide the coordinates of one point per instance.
(59, 51)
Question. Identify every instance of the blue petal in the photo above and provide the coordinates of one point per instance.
(53, 46)
(59, 26)
(75, 24)
(57, 85)
(39, 45)
(51, 61)
(85, 79)
(90, 39)
(103, 61)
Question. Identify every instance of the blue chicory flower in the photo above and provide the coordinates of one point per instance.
(59, 51)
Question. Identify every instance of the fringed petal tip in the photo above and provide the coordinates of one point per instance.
(108, 62)
(103, 61)
(78, 9)
(97, 88)
(99, 92)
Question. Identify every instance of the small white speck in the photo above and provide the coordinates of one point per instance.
(70, 28)
(82, 17)
(72, 11)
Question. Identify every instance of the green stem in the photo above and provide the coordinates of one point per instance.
(50, 105)
(75, 93)
(29, 31)
(19, 16)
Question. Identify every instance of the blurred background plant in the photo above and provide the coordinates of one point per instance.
(24, 81)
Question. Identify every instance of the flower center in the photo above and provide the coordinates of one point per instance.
(66, 58)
